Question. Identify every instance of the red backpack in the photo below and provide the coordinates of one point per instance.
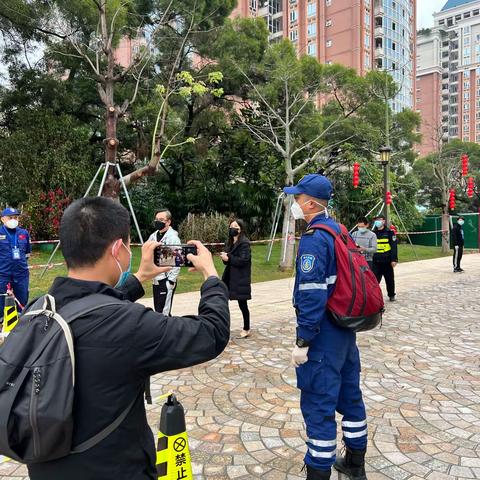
(357, 301)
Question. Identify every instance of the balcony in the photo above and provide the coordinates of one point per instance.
(379, 10)
(379, 31)
(379, 52)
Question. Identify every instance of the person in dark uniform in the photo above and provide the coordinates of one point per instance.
(458, 238)
(238, 272)
(386, 258)
(15, 249)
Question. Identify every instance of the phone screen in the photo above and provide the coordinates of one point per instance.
(173, 255)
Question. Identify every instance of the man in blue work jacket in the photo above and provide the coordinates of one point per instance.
(15, 250)
(326, 356)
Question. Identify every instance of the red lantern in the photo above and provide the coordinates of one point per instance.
(356, 174)
(470, 187)
(464, 165)
(393, 228)
(388, 198)
(451, 200)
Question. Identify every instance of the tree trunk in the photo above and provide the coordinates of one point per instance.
(445, 223)
(288, 233)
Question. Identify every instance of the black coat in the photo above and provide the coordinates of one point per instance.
(117, 348)
(238, 271)
(457, 235)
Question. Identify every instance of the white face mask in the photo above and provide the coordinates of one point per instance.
(12, 223)
(460, 222)
(297, 211)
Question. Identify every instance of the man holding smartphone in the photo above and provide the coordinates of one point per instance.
(165, 284)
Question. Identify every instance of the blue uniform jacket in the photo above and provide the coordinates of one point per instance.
(316, 274)
(9, 239)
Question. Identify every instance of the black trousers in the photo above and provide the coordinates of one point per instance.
(246, 313)
(385, 270)
(163, 296)
(457, 256)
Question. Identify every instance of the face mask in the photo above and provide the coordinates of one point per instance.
(379, 223)
(123, 275)
(297, 211)
(362, 229)
(233, 232)
(12, 224)
(461, 222)
(159, 225)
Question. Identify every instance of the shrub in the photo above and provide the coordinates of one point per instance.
(208, 228)
(41, 214)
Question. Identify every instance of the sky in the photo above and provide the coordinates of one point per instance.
(425, 10)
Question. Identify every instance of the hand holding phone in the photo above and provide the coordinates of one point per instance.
(202, 261)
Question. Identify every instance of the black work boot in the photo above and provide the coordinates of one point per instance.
(313, 474)
(353, 464)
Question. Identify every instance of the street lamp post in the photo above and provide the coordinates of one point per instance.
(385, 159)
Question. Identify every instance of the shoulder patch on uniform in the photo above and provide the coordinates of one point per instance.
(307, 262)
(394, 238)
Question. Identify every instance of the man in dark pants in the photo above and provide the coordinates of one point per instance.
(118, 347)
(386, 258)
(458, 238)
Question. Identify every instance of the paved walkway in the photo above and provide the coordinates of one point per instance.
(421, 383)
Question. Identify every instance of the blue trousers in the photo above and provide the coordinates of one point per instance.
(20, 289)
(329, 383)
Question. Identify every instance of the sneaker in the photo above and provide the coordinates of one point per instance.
(392, 299)
(244, 333)
(456, 270)
(461, 270)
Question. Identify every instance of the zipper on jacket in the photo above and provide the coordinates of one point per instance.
(33, 410)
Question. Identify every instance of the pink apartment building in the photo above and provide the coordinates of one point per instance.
(448, 76)
(362, 34)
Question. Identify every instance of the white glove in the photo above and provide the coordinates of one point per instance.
(299, 356)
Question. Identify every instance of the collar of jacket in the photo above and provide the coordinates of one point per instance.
(320, 218)
(65, 289)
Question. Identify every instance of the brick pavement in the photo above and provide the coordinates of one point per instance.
(421, 383)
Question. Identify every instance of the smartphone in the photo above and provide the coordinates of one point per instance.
(173, 255)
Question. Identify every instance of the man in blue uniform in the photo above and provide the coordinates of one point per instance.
(326, 357)
(15, 250)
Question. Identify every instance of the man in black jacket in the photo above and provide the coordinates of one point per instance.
(458, 238)
(386, 258)
(118, 347)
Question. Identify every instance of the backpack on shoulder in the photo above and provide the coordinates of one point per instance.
(37, 381)
(357, 301)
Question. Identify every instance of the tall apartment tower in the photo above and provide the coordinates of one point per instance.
(362, 34)
(448, 75)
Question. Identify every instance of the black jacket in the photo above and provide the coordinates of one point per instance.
(238, 271)
(457, 236)
(117, 348)
(387, 250)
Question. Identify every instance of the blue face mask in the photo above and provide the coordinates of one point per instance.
(378, 223)
(123, 275)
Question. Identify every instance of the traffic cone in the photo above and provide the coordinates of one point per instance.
(173, 454)
(10, 315)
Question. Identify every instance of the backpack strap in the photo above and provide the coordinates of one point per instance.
(321, 226)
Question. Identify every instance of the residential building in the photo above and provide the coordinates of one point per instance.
(448, 75)
(362, 34)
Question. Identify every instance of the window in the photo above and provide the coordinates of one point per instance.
(328, 23)
(466, 106)
(329, 43)
(328, 3)
(311, 9)
(466, 85)
(293, 15)
(394, 26)
(312, 49)
(367, 60)
(466, 41)
(312, 29)
(466, 30)
(466, 74)
(441, 22)
(294, 35)
(367, 41)
(367, 19)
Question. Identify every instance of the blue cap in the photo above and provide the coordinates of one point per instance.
(314, 185)
(9, 211)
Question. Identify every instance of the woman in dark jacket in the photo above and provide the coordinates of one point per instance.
(238, 271)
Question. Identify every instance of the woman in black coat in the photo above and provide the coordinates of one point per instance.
(238, 271)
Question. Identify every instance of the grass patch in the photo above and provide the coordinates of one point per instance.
(261, 270)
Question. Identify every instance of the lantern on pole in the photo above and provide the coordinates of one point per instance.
(470, 187)
(464, 165)
(356, 174)
(388, 198)
(451, 200)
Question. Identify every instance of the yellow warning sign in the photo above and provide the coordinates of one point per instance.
(10, 317)
(173, 454)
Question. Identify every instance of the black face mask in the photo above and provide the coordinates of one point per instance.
(159, 225)
(233, 232)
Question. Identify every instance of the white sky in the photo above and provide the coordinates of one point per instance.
(425, 10)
